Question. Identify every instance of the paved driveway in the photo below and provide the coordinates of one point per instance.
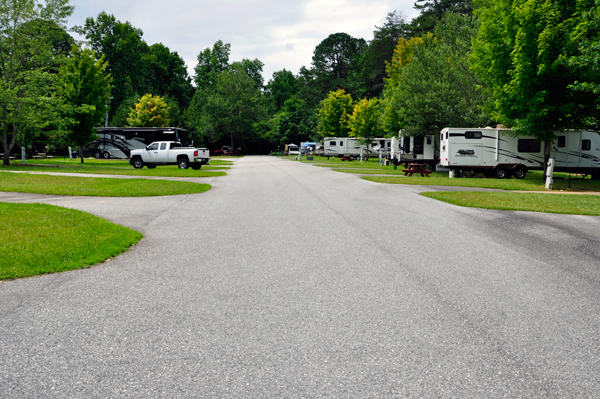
(288, 280)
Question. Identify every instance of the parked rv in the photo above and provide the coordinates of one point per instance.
(340, 146)
(409, 149)
(495, 152)
(118, 142)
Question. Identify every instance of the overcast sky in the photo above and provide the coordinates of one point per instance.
(282, 34)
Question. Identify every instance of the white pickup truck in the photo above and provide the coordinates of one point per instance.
(169, 153)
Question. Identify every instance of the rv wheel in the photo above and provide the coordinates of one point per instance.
(97, 155)
(106, 155)
(500, 173)
(519, 173)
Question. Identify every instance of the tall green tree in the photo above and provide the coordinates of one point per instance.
(436, 88)
(85, 89)
(127, 54)
(168, 75)
(230, 109)
(333, 114)
(433, 11)
(380, 51)
(336, 63)
(280, 88)
(211, 62)
(520, 52)
(28, 66)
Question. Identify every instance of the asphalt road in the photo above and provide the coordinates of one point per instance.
(289, 280)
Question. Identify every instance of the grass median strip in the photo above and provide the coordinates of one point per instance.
(533, 202)
(39, 239)
(95, 186)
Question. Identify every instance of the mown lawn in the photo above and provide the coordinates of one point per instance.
(533, 202)
(39, 239)
(95, 186)
(117, 167)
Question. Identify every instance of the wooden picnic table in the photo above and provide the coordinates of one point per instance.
(417, 168)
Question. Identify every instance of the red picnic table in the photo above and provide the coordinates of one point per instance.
(416, 168)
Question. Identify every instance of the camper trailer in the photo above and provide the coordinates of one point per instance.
(339, 146)
(423, 149)
(496, 153)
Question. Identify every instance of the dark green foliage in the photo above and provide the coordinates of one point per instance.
(168, 75)
(280, 88)
(380, 51)
(432, 11)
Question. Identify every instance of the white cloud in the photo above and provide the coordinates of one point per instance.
(280, 34)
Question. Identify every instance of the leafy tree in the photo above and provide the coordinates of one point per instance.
(228, 110)
(211, 63)
(436, 89)
(253, 69)
(149, 111)
(289, 124)
(380, 51)
(280, 88)
(365, 121)
(335, 63)
(391, 105)
(86, 89)
(520, 52)
(27, 66)
(433, 11)
(334, 113)
(127, 54)
(168, 75)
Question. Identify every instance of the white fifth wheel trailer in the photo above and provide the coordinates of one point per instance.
(423, 149)
(339, 146)
(496, 153)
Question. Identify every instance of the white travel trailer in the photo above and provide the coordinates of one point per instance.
(339, 146)
(423, 149)
(496, 153)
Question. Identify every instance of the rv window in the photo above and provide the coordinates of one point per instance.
(562, 141)
(341, 143)
(163, 146)
(529, 145)
(442, 137)
(332, 143)
(418, 145)
(446, 135)
(472, 135)
(389, 144)
(428, 140)
(586, 145)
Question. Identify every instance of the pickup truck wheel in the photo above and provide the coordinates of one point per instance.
(106, 155)
(138, 163)
(183, 163)
(500, 173)
(519, 173)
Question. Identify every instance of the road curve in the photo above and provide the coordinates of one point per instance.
(289, 280)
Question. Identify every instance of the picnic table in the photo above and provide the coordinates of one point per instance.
(347, 158)
(416, 168)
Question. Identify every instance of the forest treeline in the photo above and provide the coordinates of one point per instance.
(531, 65)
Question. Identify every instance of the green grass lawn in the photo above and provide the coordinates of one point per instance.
(117, 167)
(533, 182)
(95, 186)
(39, 239)
(534, 202)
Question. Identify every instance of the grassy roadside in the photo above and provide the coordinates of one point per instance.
(95, 186)
(38, 239)
(117, 167)
(532, 202)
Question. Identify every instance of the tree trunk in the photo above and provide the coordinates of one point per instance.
(80, 153)
(547, 147)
